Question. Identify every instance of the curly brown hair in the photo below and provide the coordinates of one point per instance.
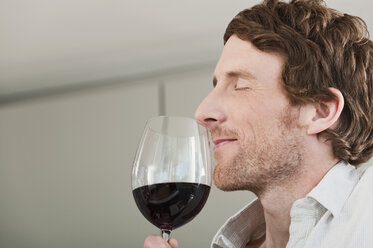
(323, 48)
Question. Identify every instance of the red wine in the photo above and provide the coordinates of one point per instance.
(170, 205)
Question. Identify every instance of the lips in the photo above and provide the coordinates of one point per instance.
(221, 142)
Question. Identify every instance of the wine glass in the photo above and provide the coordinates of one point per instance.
(171, 175)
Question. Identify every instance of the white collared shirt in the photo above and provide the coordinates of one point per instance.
(338, 212)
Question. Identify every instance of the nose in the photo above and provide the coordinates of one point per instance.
(210, 113)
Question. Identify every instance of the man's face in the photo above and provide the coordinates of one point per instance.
(254, 129)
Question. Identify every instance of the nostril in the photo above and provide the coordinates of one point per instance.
(209, 120)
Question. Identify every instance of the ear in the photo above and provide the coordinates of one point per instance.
(324, 115)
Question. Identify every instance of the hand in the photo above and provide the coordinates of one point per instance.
(155, 241)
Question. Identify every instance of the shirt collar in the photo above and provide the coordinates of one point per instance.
(335, 188)
(248, 225)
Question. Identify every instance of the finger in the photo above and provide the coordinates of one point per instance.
(156, 241)
(173, 243)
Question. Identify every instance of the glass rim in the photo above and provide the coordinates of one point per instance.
(174, 117)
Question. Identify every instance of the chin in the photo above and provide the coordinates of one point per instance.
(222, 186)
(224, 182)
(226, 186)
(226, 179)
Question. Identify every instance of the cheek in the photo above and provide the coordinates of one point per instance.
(256, 116)
(245, 121)
(259, 131)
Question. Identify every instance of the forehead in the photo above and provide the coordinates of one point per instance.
(243, 55)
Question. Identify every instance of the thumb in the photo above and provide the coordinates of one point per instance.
(173, 243)
(156, 241)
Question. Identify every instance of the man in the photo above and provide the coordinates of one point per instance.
(291, 117)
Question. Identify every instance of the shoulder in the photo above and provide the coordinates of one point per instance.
(357, 217)
(361, 200)
(366, 178)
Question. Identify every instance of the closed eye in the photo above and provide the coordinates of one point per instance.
(242, 84)
(242, 88)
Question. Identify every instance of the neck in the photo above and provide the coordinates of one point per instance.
(277, 202)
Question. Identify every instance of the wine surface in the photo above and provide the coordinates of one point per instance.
(170, 205)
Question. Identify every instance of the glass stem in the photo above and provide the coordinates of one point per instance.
(166, 234)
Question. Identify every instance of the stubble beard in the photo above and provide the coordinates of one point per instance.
(273, 160)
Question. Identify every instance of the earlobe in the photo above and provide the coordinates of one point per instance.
(326, 113)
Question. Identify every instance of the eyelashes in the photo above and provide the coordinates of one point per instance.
(242, 88)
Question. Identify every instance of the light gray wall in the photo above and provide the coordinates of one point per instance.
(65, 168)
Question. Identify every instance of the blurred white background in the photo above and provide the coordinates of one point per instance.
(78, 79)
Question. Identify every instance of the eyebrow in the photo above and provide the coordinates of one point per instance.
(238, 73)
